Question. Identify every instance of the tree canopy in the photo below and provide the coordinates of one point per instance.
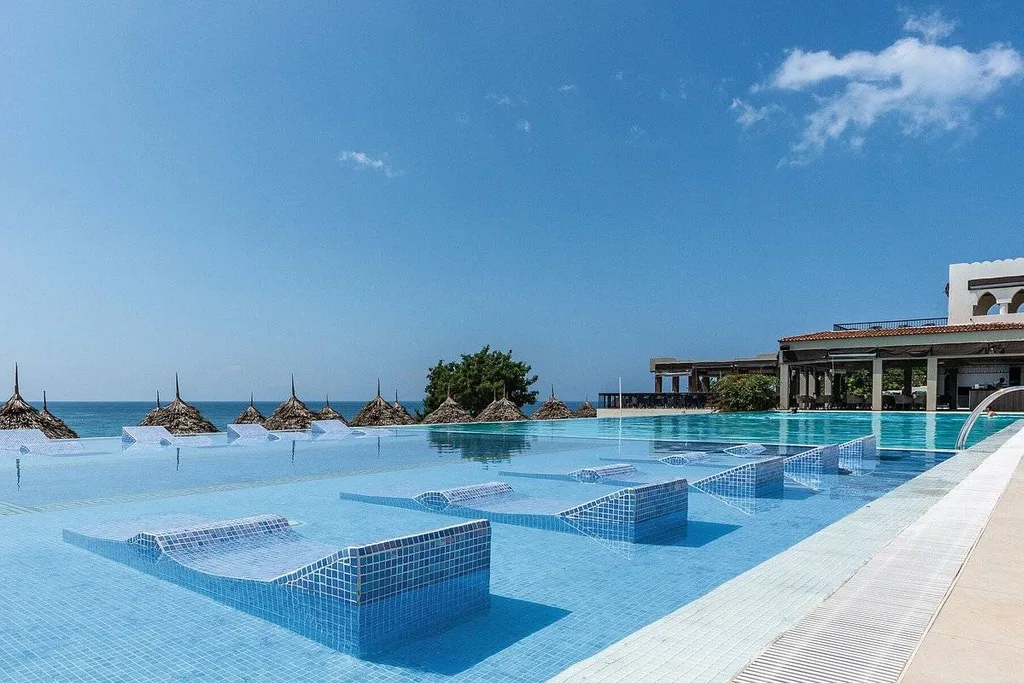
(477, 378)
(734, 393)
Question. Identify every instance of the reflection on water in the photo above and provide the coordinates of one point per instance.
(480, 447)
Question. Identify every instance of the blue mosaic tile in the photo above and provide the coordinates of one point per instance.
(743, 486)
(361, 600)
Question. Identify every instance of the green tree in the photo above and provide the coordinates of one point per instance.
(477, 378)
(735, 393)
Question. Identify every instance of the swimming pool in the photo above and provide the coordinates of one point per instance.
(556, 598)
(928, 431)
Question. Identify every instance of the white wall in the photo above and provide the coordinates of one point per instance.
(963, 300)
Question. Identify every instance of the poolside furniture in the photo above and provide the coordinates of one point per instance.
(323, 430)
(157, 436)
(747, 450)
(249, 433)
(14, 439)
(635, 514)
(815, 468)
(362, 600)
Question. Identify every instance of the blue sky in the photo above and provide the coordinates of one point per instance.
(353, 190)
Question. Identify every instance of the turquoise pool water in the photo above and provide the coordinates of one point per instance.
(893, 429)
(557, 598)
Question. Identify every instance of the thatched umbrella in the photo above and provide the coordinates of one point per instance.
(401, 412)
(155, 417)
(501, 410)
(250, 416)
(180, 417)
(449, 412)
(292, 414)
(329, 413)
(17, 413)
(55, 427)
(552, 409)
(377, 413)
(585, 410)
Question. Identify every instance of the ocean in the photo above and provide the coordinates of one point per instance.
(105, 418)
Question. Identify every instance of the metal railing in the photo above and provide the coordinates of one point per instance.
(961, 440)
(890, 324)
(652, 400)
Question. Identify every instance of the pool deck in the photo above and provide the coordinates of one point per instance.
(766, 624)
(978, 634)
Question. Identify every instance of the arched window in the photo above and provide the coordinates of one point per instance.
(986, 305)
(1017, 302)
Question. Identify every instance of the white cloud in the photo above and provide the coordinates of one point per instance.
(619, 75)
(636, 132)
(364, 160)
(523, 125)
(568, 88)
(923, 86)
(504, 100)
(931, 27)
(747, 114)
(462, 118)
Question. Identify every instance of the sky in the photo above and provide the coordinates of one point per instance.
(347, 191)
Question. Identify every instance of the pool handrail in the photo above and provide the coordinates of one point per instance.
(961, 439)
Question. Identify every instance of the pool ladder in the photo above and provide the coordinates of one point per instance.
(961, 440)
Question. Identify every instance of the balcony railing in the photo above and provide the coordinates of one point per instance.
(890, 324)
(652, 400)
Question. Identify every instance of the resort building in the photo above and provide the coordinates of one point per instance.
(937, 363)
(977, 348)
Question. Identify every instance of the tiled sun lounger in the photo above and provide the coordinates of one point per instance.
(14, 439)
(361, 599)
(634, 514)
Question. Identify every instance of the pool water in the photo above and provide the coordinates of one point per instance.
(557, 598)
(894, 429)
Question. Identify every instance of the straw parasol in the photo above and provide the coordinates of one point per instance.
(402, 413)
(17, 413)
(292, 414)
(155, 417)
(585, 410)
(501, 410)
(449, 412)
(55, 427)
(250, 416)
(553, 409)
(377, 413)
(329, 413)
(180, 417)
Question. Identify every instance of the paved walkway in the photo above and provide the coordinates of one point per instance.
(978, 634)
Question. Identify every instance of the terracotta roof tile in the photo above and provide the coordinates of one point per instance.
(905, 331)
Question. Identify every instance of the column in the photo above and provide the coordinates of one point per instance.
(908, 381)
(803, 382)
(812, 382)
(675, 384)
(657, 384)
(876, 384)
(931, 400)
(826, 384)
(783, 385)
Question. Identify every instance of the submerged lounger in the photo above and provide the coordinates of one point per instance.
(747, 450)
(249, 433)
(360, 600)
(814, 468)
(14, 439)
(634, 514)
(329, 429)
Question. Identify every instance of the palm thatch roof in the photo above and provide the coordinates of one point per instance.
(552, 409)
(155, 417)
(449, 412)
(585, 410)
(180, 417)
(55, 428)
(501, 410)
(329, 413)
(250, 416)
(17, 413)
(292, 414)
(377, 413)
(401, 412)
